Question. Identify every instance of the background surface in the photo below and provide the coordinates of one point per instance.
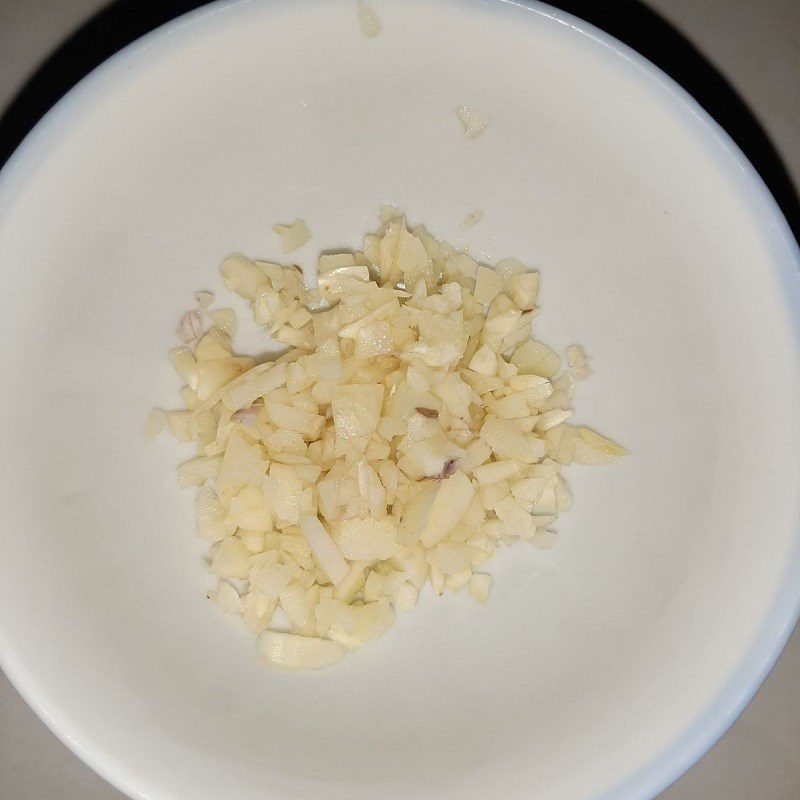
(755, 44)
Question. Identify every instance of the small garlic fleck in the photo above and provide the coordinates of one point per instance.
(227, 598)
(368, 19)
(448, 470)
(246, 416)
(190, 326)
(225, 320)
(473, 218)
(474, 121)
(204, 299)
(578, 362)
(293, 236)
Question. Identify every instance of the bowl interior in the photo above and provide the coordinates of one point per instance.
(659, 251)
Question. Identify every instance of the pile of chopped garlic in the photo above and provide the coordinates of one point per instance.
(411, 428)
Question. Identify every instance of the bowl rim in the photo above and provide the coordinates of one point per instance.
(652, 777)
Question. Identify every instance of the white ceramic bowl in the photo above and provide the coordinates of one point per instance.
(600, 669)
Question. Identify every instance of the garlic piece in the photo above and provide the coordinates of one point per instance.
(190, 327)
(293, 236)
(473, 120)
(473, 218)
(368, 20)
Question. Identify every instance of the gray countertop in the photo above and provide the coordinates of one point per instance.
(756, 45)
